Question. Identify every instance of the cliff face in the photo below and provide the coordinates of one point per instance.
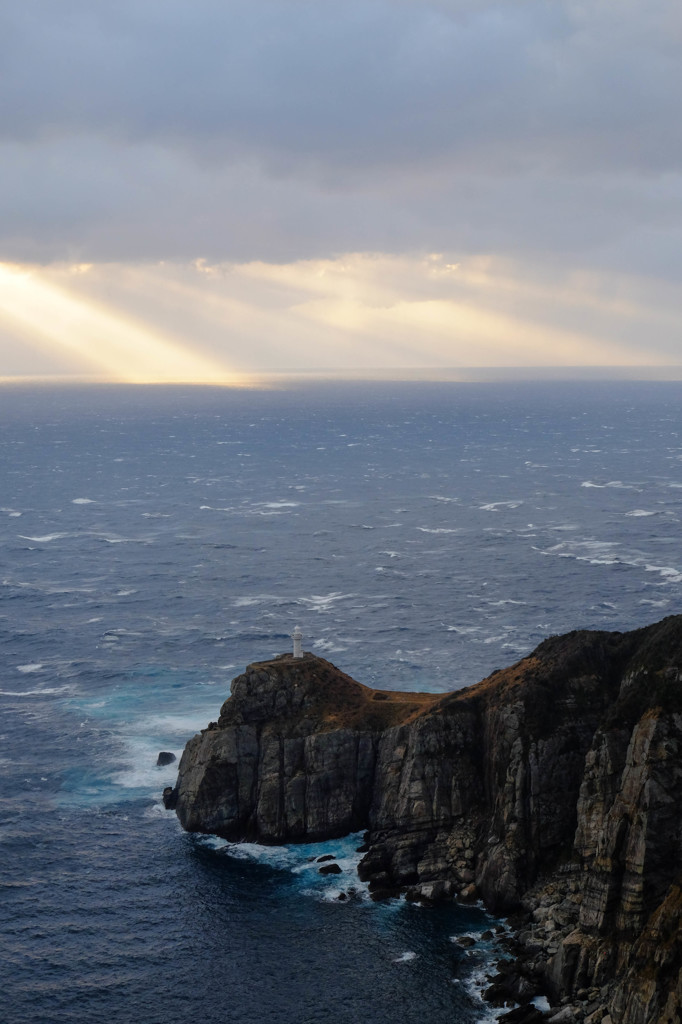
(553, 786)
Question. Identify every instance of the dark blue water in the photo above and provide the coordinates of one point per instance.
(156, 540)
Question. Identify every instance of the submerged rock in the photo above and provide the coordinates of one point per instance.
(552, 788)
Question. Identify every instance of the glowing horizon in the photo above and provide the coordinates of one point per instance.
(374, 316)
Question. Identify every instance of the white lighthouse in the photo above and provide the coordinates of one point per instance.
(297, 636)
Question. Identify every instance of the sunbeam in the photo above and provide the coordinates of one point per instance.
(120, 348)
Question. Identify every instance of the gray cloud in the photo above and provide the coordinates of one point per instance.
(147, 129)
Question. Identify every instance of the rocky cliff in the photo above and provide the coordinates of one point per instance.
(553, 787)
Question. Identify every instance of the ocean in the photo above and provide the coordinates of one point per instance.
(155, 540)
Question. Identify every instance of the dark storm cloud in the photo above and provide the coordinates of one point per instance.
(158, 128)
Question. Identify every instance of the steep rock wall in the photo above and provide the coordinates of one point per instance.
(554, 785)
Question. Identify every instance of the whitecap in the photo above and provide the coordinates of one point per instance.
(440, 529)
(669, 573)
(323, 602)
(82, 501)
(618, 484)
(493, 506)
(328, 646)
(641, 512)
(405, 958)
(120, 540)
(49, 691)
(45, 539)
(31, 667)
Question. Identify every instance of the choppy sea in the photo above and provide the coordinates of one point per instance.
(156, 540)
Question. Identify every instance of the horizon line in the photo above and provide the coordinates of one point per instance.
(460, 374)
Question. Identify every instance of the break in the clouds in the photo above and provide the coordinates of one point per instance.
(270, 139)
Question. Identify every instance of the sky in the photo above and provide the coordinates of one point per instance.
(210, 190)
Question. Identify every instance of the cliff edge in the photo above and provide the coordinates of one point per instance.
(552, 787)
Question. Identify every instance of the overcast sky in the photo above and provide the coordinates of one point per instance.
(192, 189)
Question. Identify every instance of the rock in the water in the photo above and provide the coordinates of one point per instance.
(431, 892)
(524, 1014)
(165, 757)
(170, 798)
(330, 869)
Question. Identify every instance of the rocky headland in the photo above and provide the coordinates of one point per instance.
(552, 790)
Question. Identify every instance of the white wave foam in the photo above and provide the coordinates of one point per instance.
(612, 483)
(278, 504)
(494, 506)
(120, 540)
(328, 646)
(405, 958)
(82, 501)
(323, 602)
(178, 725)
(33, 666)
(49, 691)
(669, 573)
(599, 553)
(440, 529)
(475, 985)
(638, 513)
(45, 538)
(301, 860)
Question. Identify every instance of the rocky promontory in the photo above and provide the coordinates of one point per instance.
(551, 790)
